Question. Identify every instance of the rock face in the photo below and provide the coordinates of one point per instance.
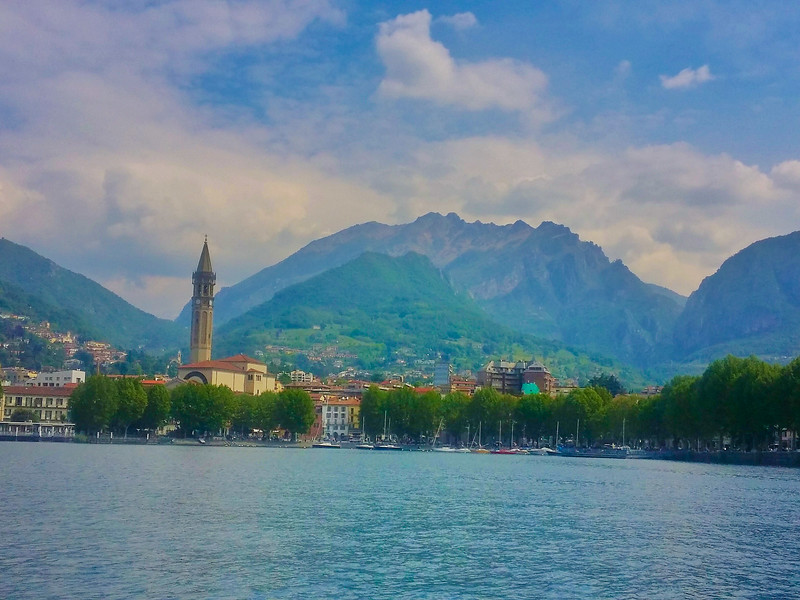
(542, 280)
(751, 305)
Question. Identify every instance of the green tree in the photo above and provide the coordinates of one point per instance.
(681, 409)
(157, 411)
(294, 410)
(22, 415)
(786, 390)
(454, 408)
(266, 419)
(425, 414)
(532, 415)
(373, 405)
(131, 402)
(609, 382)
(202, 409)
(93, 404)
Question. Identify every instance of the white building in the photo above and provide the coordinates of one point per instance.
(301, 377)
(57, 378)
(339, 416)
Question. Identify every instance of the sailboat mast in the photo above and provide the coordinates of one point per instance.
(577, 430)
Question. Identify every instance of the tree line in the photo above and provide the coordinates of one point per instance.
(103, 403)
(744, 400)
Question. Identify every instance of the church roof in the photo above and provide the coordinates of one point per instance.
(231, 363)
(241, 358)
(204, 266)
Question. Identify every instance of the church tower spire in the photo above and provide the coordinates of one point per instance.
(202, 307)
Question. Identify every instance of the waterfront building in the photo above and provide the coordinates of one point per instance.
(339, 417)
(241, 373)
(50, 404)
(203, 280)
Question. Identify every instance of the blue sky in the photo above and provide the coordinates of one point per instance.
(663, 131)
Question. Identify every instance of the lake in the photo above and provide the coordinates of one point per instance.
(123, 521)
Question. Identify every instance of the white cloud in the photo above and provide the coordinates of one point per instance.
(420, 68)
(687, 78)
(459, 21)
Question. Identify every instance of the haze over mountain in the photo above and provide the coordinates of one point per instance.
(751, 305)
(543, 281)
(384, 308)
(34, 284)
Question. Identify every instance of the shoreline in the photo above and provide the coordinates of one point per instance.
(757, 459)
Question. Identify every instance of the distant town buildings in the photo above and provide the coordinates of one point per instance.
(57, 378)
(508, 377)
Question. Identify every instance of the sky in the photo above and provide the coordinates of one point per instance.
(665, 132)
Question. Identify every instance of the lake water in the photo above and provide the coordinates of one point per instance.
(83, 521)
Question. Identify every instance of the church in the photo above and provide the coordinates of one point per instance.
(241, 373)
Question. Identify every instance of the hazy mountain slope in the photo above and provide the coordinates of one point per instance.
(111, 317)
(386, 307)
(552, 284)
(751, 305)
(543, 280)
(14, 300)
(440, 238)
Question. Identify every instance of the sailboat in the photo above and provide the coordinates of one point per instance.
(500, 449)
(383, 445)
(480, 449)
(364, 445)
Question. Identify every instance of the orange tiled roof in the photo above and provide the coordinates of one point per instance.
(37, 390)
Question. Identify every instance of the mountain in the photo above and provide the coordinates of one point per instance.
(72, 300)
(543, 281)
(751, 305)
(384, 308)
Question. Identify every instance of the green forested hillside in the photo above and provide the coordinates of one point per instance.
(75, 300)
(385, 308)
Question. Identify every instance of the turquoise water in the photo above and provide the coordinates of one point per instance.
(194, 522)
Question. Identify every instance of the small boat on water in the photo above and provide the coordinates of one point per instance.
(365, 447)
(543, 451)
(325, 445)
(386, 447)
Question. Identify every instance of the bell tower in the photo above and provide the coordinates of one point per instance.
(202, 308)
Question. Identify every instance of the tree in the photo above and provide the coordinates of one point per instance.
(202, 408)
(609, 382)
(373, 405)
(131, 402)
(294, 410)
(454, 411)
(681, 416)
(22, 415)
(266, 420)
(93, 404)
(531, 414)
(156, 413)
